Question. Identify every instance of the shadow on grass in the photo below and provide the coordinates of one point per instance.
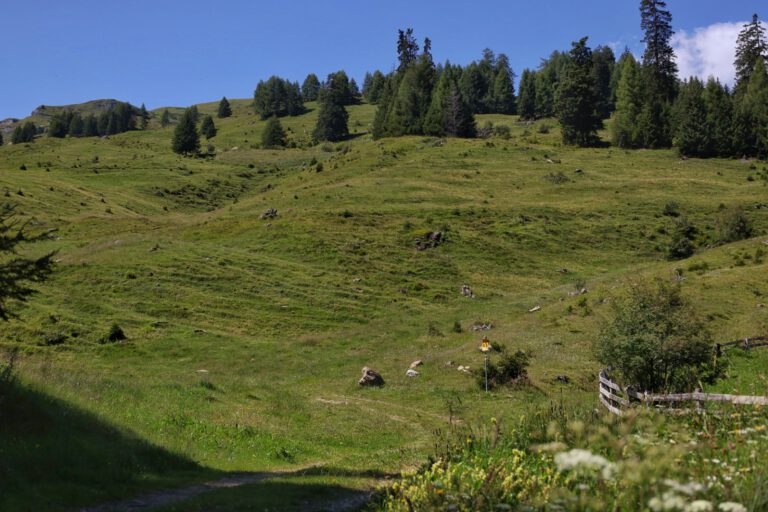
(55, 456)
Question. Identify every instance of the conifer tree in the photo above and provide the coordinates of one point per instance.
(165, 118)
(719, 118)
(76, 126)
(629, 104)
(59, 125)
(186, 140)
(28, 132)
(194, 113)
(576, 104)
(17, 136)
(310, 89)
(503, 100)
(273, 134)
(653, 124)
(143, 117)
(407, 49)
(377, 87)
(659, 57)
(225, 109)
(332, 117)
(449, 114)
(690, 115)
(750, 46)
(750, 124)
(603, 62)
(367, 83)
(208, 128)
(526, 101)
(90, 126)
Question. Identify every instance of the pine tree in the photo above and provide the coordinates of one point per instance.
(691, 134)
(273, 134)
(208, 128)
(750, 125)
(719, 118)
(576, 104)
(503, 101)
(17, 137)
(277, 97)
(367, 83)
(653, 124)
(59, 125)
(474, 87)
(603, 62)
(377, 87)
(186, 140)
(750, 46)
(526, 101)
(76, 126)
(332, 117)
(18, 273)
(194, 113)
(225, 109)
(310, 89)
(384, 104)
(90, 126)
(143, 117)
(28, 132)
(547, 82)
(165, 118)
(629, 104)
(449, 114)
(659, 56)
(407, 49)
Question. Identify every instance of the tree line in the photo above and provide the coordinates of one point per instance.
(122, 117)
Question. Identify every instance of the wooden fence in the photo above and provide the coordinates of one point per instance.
(619, 400)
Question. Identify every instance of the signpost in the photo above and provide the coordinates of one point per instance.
(485, 348)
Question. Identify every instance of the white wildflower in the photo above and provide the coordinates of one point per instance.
(688, 489)
(699, 506)
(577, 459)
(730, 506)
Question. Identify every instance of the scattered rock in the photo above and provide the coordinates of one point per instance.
(371, 378)
(429, 241)
(200, 331)
(416, 363)
(761, 305)
(269, 214)
(578, 292)
(482, 327)
(202, 371)
(562, 270)
(534, 309)
(579, 171)
(449, 363)
(464, 369)
(155, 248)
(411, 373)
(563, 378)
(467, 291)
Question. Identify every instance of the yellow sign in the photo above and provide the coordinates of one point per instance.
(485, 345)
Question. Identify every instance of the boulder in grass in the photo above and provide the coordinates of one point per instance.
(371, 378)
(416, 363)
(411, 373)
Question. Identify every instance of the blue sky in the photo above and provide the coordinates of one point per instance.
(173, 52)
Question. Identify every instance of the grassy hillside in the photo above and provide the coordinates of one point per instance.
(246, 336)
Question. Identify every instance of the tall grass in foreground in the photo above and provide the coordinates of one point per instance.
(584, 460)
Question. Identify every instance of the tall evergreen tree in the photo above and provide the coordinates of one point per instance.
(503, 100)
(407, 49)
(629, 104)
(17, 136)
(225, 109)
(76, 126)
(273, 134)
(194, 113)
(165, 118)
(750, 125)
(691, 134)
(208, 128)
(59, 125)
(376, 89)
(603, 62)
(310, 89)
(186, 140)
(332, 117)
(449, 114)
(576, 104)
(719, 118)
(90, 126)
(750, 46)
(526, 101)
(277, 97)
(143, 117)
(27, 132)
(659, 57)
(547, 82)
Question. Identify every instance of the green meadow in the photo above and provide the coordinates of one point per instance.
(246, 336)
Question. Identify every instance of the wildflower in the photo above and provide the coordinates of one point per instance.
(689, 489)
(668, 501)
(577, 459)
(699, 506)
(730, 506)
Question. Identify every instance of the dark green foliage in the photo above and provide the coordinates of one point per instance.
(373, 89)
(194, 114)
(208, 128)
(273, 134)
(692, 136)
(629, 104)
(114, 335)
(509, 369)
(576, 105)
(225, 109)
(547, 81)
(1, 138)
(750, 46)
(655, 340)
(653, 123)
(277, 97)
(186, 140)
(449, 114)
(332, 117)
(59, 125)
(719, 108)
(407, 49)
(143, 117)
(24, 133)
(17, 274)
(76, 126)
(526, 102)
(310, 89)
(344, 88)
(681, 244)
(732, 226)
(603, 63)
(90, 126)
(120, 118)
(659, 57)
(750, 120)
(165, 118)
(502, 90)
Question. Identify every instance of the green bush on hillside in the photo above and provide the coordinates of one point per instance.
(732, 226)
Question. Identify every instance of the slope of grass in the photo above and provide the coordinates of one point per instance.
(246, 336)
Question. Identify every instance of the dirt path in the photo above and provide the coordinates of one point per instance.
(168, 497)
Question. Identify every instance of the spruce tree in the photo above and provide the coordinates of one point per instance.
(332, 117)
(28, 132)
(143, 117)
(407, 49)
(629, 104)
(225, 109)
(659, 57)
(750, 125)
(310, 89)
(165, 118)
(367, 83)
(526, 101)
(576, 104)
(273, 135)
(194, 113)
(59, 125)
(691, 135)
(90, 126)
(17, 137)
(377, 87)
(719, 118)
(186, 140)
(449, 114)
(750, 46)
(76, 126)
(603, 62)
(208, 128)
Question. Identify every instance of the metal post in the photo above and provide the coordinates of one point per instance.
(486, 372)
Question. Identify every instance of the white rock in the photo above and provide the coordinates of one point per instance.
(411, 373)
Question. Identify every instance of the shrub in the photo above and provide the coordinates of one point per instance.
(115, 334)
(732, 226)
(502, 131)
(544, 128)
(681, 246)
(656, 341)
(485, 131)
(510, 369)
(671, 209)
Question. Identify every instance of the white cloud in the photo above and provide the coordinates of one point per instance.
(708, 51)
